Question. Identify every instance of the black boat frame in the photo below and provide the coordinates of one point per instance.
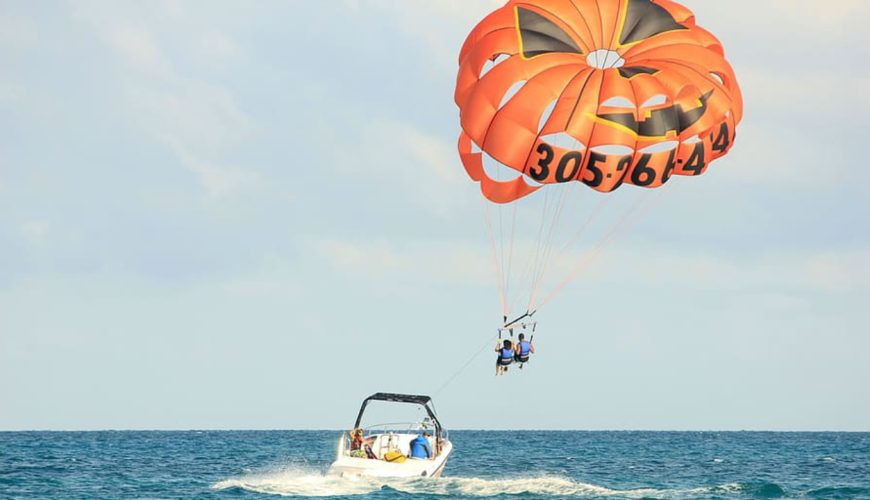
(424, 401)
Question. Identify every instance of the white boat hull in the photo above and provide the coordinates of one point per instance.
(346, 466)
(384, 450)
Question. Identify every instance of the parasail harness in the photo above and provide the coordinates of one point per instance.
(524, 323)
(506, 327)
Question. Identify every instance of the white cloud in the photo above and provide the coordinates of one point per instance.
(197, 114)
(217, 180)
(828, 271)
(217, 46)
(776, 155)
(36, 232)
(420, 20)
(775, 277)
(430, 262)
(456, 11)
(195, 117)
(258, 285)
(426, 152)
(273, 278)
(788, 20)
(138, 50)
(17, 33)
(798, 127)
(424, 166)
(9, 94)
(834, 271)
(803, 91)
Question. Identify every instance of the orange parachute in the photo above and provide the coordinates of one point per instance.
(555, 93)
(604, 92)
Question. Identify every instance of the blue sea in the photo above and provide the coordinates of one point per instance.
(485, 464)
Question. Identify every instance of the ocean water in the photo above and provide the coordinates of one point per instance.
(517, 464)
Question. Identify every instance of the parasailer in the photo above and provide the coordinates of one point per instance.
(504, 349)
(524, 349)
(554, 94)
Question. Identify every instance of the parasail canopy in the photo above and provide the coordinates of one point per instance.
(601, 92)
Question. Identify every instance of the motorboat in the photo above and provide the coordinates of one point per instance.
(384, 449)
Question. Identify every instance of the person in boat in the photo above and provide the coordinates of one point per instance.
(356, 439)
(505, 357)
(359, 446)
(420, 447)
(524, 349)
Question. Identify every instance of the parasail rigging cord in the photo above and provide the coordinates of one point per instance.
(510, 326)
(464, 366)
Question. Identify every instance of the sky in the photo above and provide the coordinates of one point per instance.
(251, 215)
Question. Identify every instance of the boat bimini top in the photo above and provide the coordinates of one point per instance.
(424, 401)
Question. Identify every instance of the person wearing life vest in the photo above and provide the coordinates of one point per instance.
(524, 348)
(420, 447)
(505, 356)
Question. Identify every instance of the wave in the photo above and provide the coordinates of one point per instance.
(761, 489)
(299, 482)
(308, 483)
(839, 492)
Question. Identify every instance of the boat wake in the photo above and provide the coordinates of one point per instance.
(314, 484)
(299, 482)
(309, 483)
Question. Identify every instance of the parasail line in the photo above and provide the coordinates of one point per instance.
(592, 215)
(533, 263)
(498, 272)
(591, 134)
(624, 223)
(549, 243)
(463, 367)
(591, 255)
(511, 254)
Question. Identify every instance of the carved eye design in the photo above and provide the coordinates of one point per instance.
(539, 35)
(644, 19)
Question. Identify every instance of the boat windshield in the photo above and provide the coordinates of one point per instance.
(401, 427)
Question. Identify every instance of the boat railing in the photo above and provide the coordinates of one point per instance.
(404, 427)
(387, 430)
(397, 427)
(410, 427)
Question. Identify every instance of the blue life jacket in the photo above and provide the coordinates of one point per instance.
(525, 348)
(506, 354)
(420, 448)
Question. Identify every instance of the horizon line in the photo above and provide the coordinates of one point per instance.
(449, 430)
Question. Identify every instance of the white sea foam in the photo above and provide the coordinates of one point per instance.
(300, 482)
(479, 487)
(730, 488)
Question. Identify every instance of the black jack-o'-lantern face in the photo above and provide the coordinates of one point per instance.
(661, 122)
(605, 92)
